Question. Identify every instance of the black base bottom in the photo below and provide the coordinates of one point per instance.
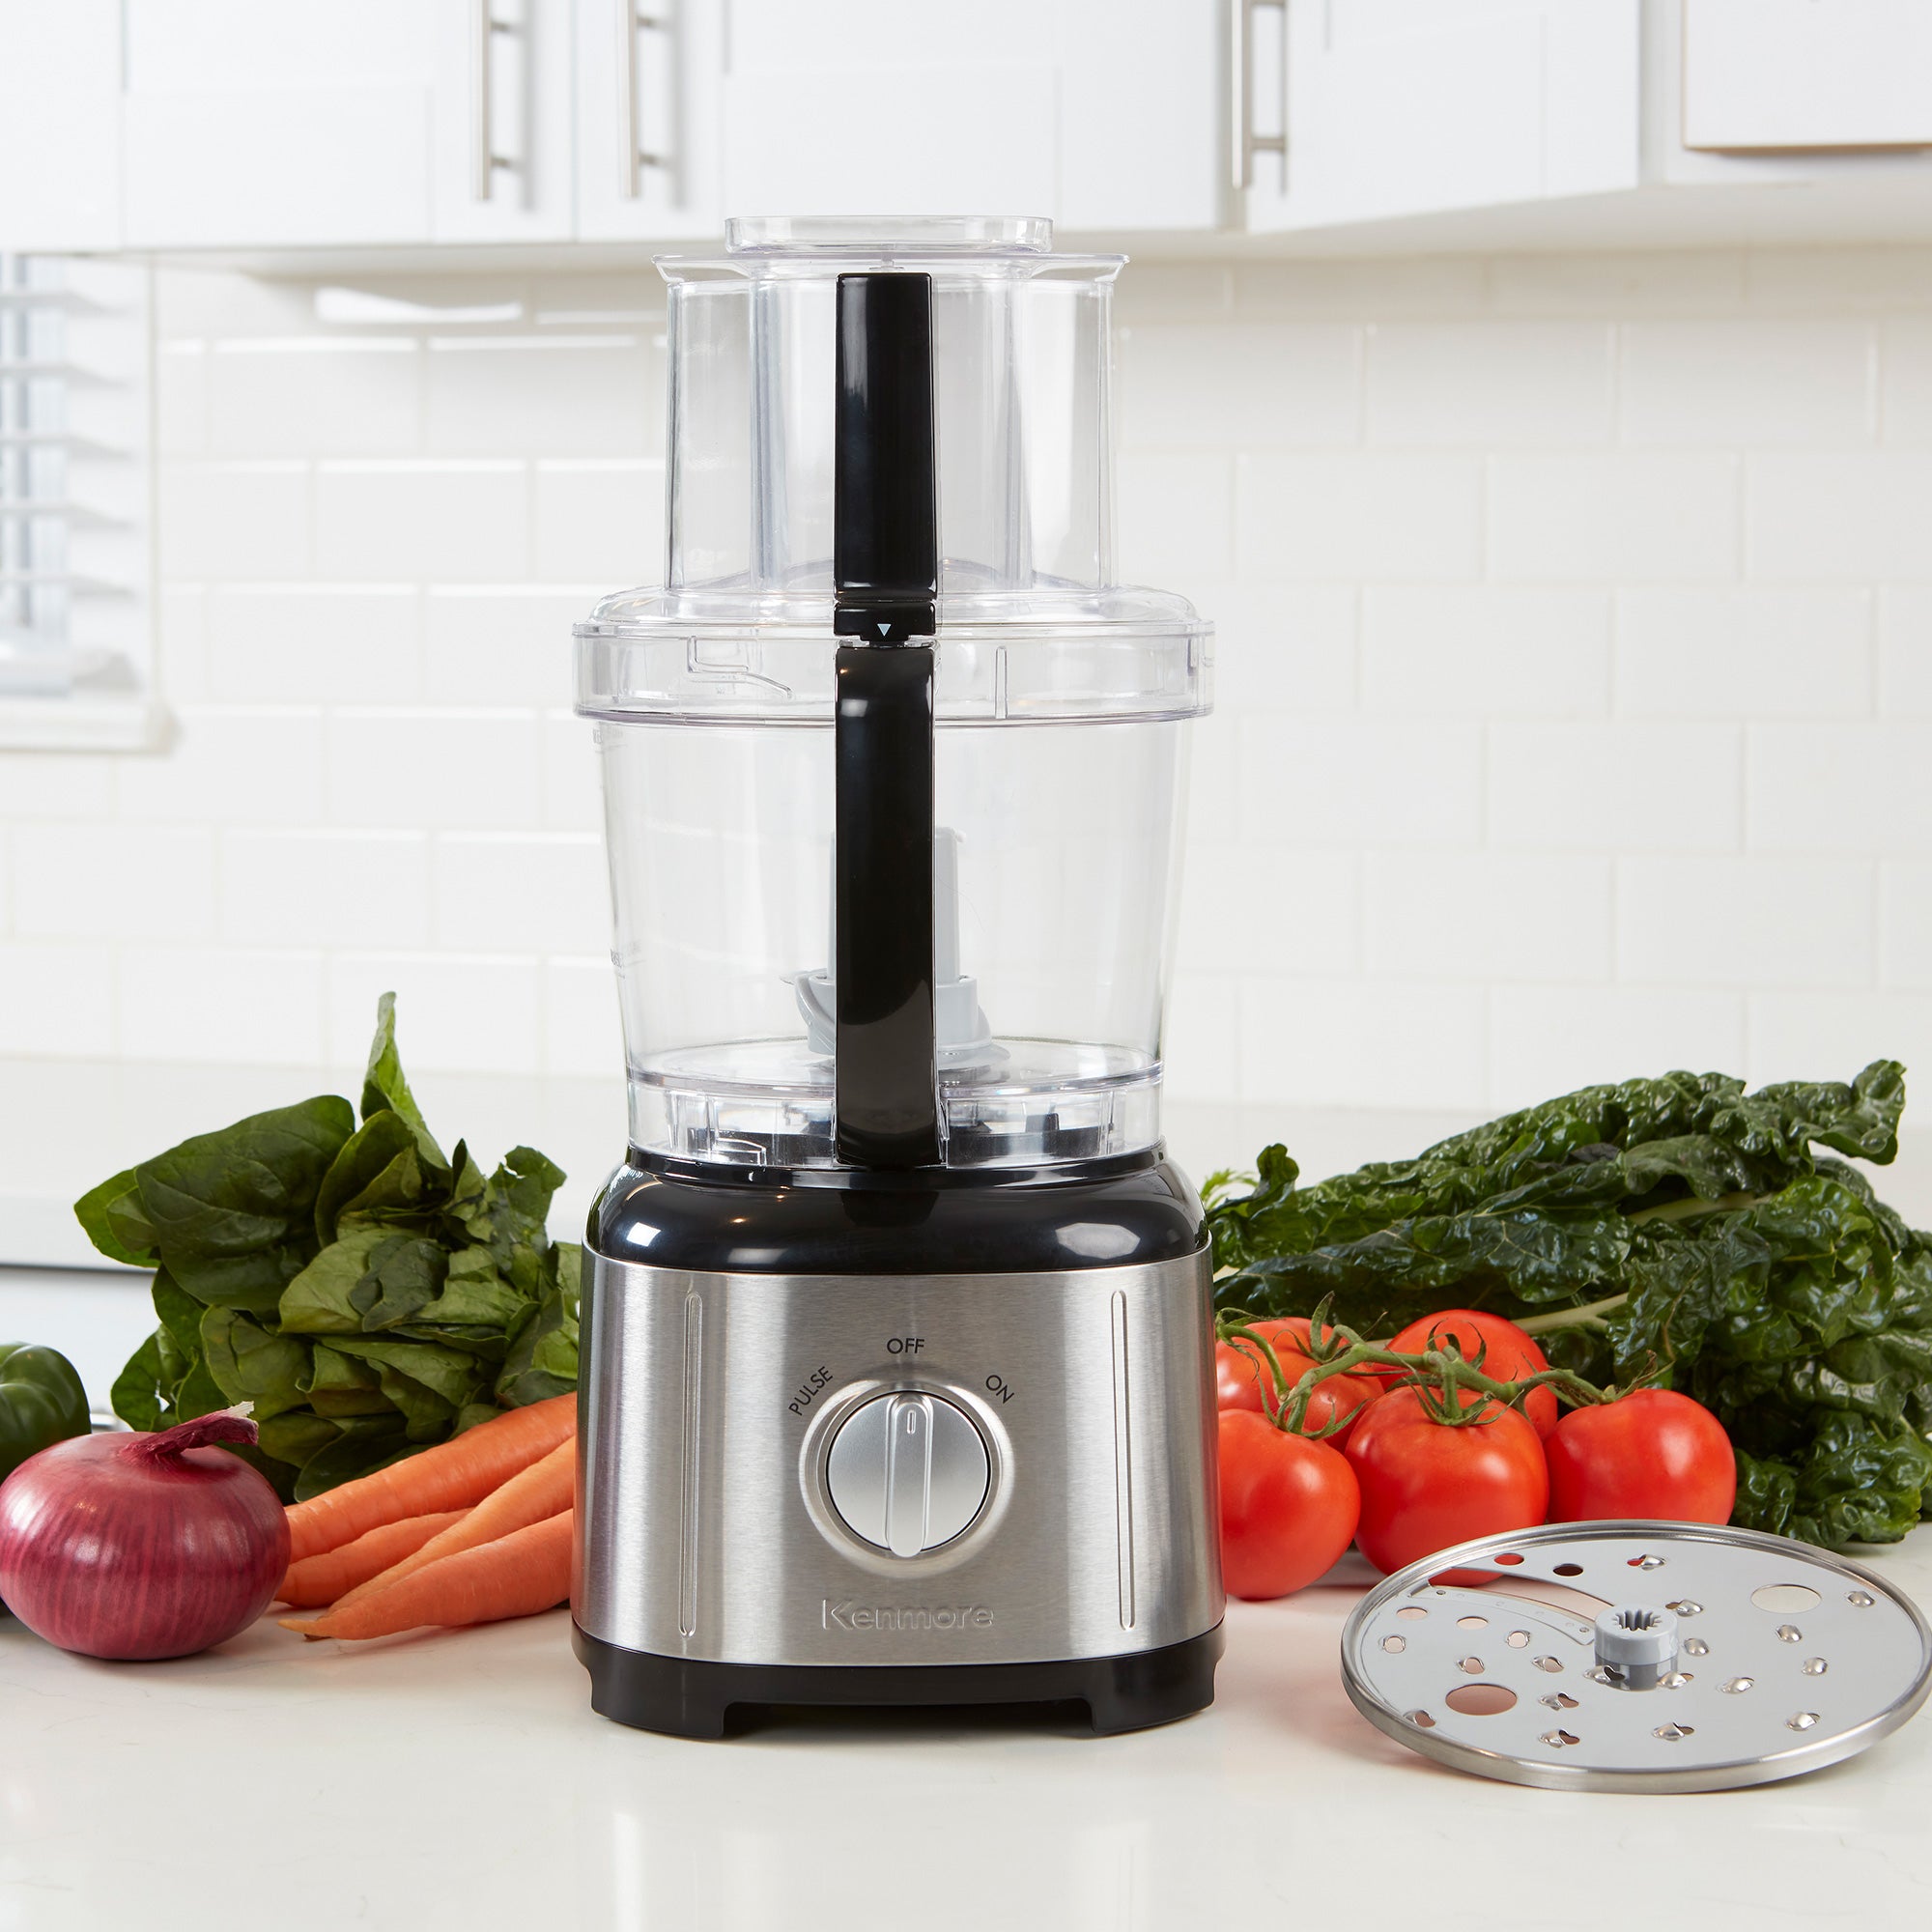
(687, 1697)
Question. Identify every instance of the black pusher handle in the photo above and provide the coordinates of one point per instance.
(885, 568)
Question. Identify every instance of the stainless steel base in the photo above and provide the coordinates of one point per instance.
(709, 1405)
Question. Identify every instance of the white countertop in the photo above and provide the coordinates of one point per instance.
(459, 1780)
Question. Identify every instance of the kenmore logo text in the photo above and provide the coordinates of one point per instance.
(850, 1616)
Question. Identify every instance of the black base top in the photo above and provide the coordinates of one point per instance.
(686, 1698)
(665, 1216)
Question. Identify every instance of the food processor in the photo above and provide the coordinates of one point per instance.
(898, 1380)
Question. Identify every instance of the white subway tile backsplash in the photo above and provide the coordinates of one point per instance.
(1789, 652)
(56, 1001)
(1490, 382)
(1425, 284)
(220, 1004)
(1485, 651)
(1350, 516)
(322, 888)
(1839, 518)
(1615, 787)
(263, 767)
(235, 521)
(40, 786)
(1326, 1043)
(414, 520)
(1299, 911)
(1803, 783)
(1176, 516)
(580, 1029)
(1905, 379)
(572, 787)
(1905, 923)
(1832, 1035)
(109, 881)
(1487, 915)
(575, 393)
(600, 522)
(180, 643)
(315, 643)
(1574, 674)
(517, 893)
(1905, 651)
(323, 396)
(439, 769)
(502, 643)
(1201, 1051)
(1616, 517)
(181, 399)
(1280, 647)
(1550, 1040)
(1746, 384)
(1363, 783)
(1637, 283)
(453, 1014)
(1239, 385)
(1730, 922)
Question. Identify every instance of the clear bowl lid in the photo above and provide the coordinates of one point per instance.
(1033, 624)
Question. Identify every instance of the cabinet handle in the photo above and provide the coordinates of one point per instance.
(484, 159)
(632, 155)
(1247, 144)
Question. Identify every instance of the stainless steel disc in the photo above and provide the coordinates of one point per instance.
(1636, 1657)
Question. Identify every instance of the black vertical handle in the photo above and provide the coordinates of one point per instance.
(886, 581)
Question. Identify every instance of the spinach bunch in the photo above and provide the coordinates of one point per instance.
(1677, 1226)
(366, 1293)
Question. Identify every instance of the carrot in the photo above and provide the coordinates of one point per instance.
(326, 1577)
(530, 1496)
(452, 1475)
(515, 1577)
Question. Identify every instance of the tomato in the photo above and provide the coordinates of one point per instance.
(1512, 1355)
(1425, 1485)
(1288, 1506)
(1241, 1375)
(1652, 1453)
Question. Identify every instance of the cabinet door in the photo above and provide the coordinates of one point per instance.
(1101, 113)
(1142, 89)
(253, 124)
(59, 131)
(1769, 74)
(650, 77)
(879, 107)
(1396, 107)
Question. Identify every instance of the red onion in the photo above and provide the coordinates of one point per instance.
(141, 1545)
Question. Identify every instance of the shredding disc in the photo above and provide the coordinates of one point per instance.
(1636, 1657)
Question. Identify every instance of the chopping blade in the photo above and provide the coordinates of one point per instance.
(1636, 1657)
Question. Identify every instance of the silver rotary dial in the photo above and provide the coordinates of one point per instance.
(907, 1472)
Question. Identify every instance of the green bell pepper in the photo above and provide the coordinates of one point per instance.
(41, 1402)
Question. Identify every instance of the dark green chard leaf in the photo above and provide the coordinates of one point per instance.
(1696, 1236)
(543, 1356)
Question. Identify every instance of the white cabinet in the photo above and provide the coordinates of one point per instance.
(1101, 113)
(60, 104)
(255, 124)
(648, 103)
(1364, 110)
(1780, 75)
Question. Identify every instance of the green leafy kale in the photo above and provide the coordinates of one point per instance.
(1678, 1227)
(368, 1295)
